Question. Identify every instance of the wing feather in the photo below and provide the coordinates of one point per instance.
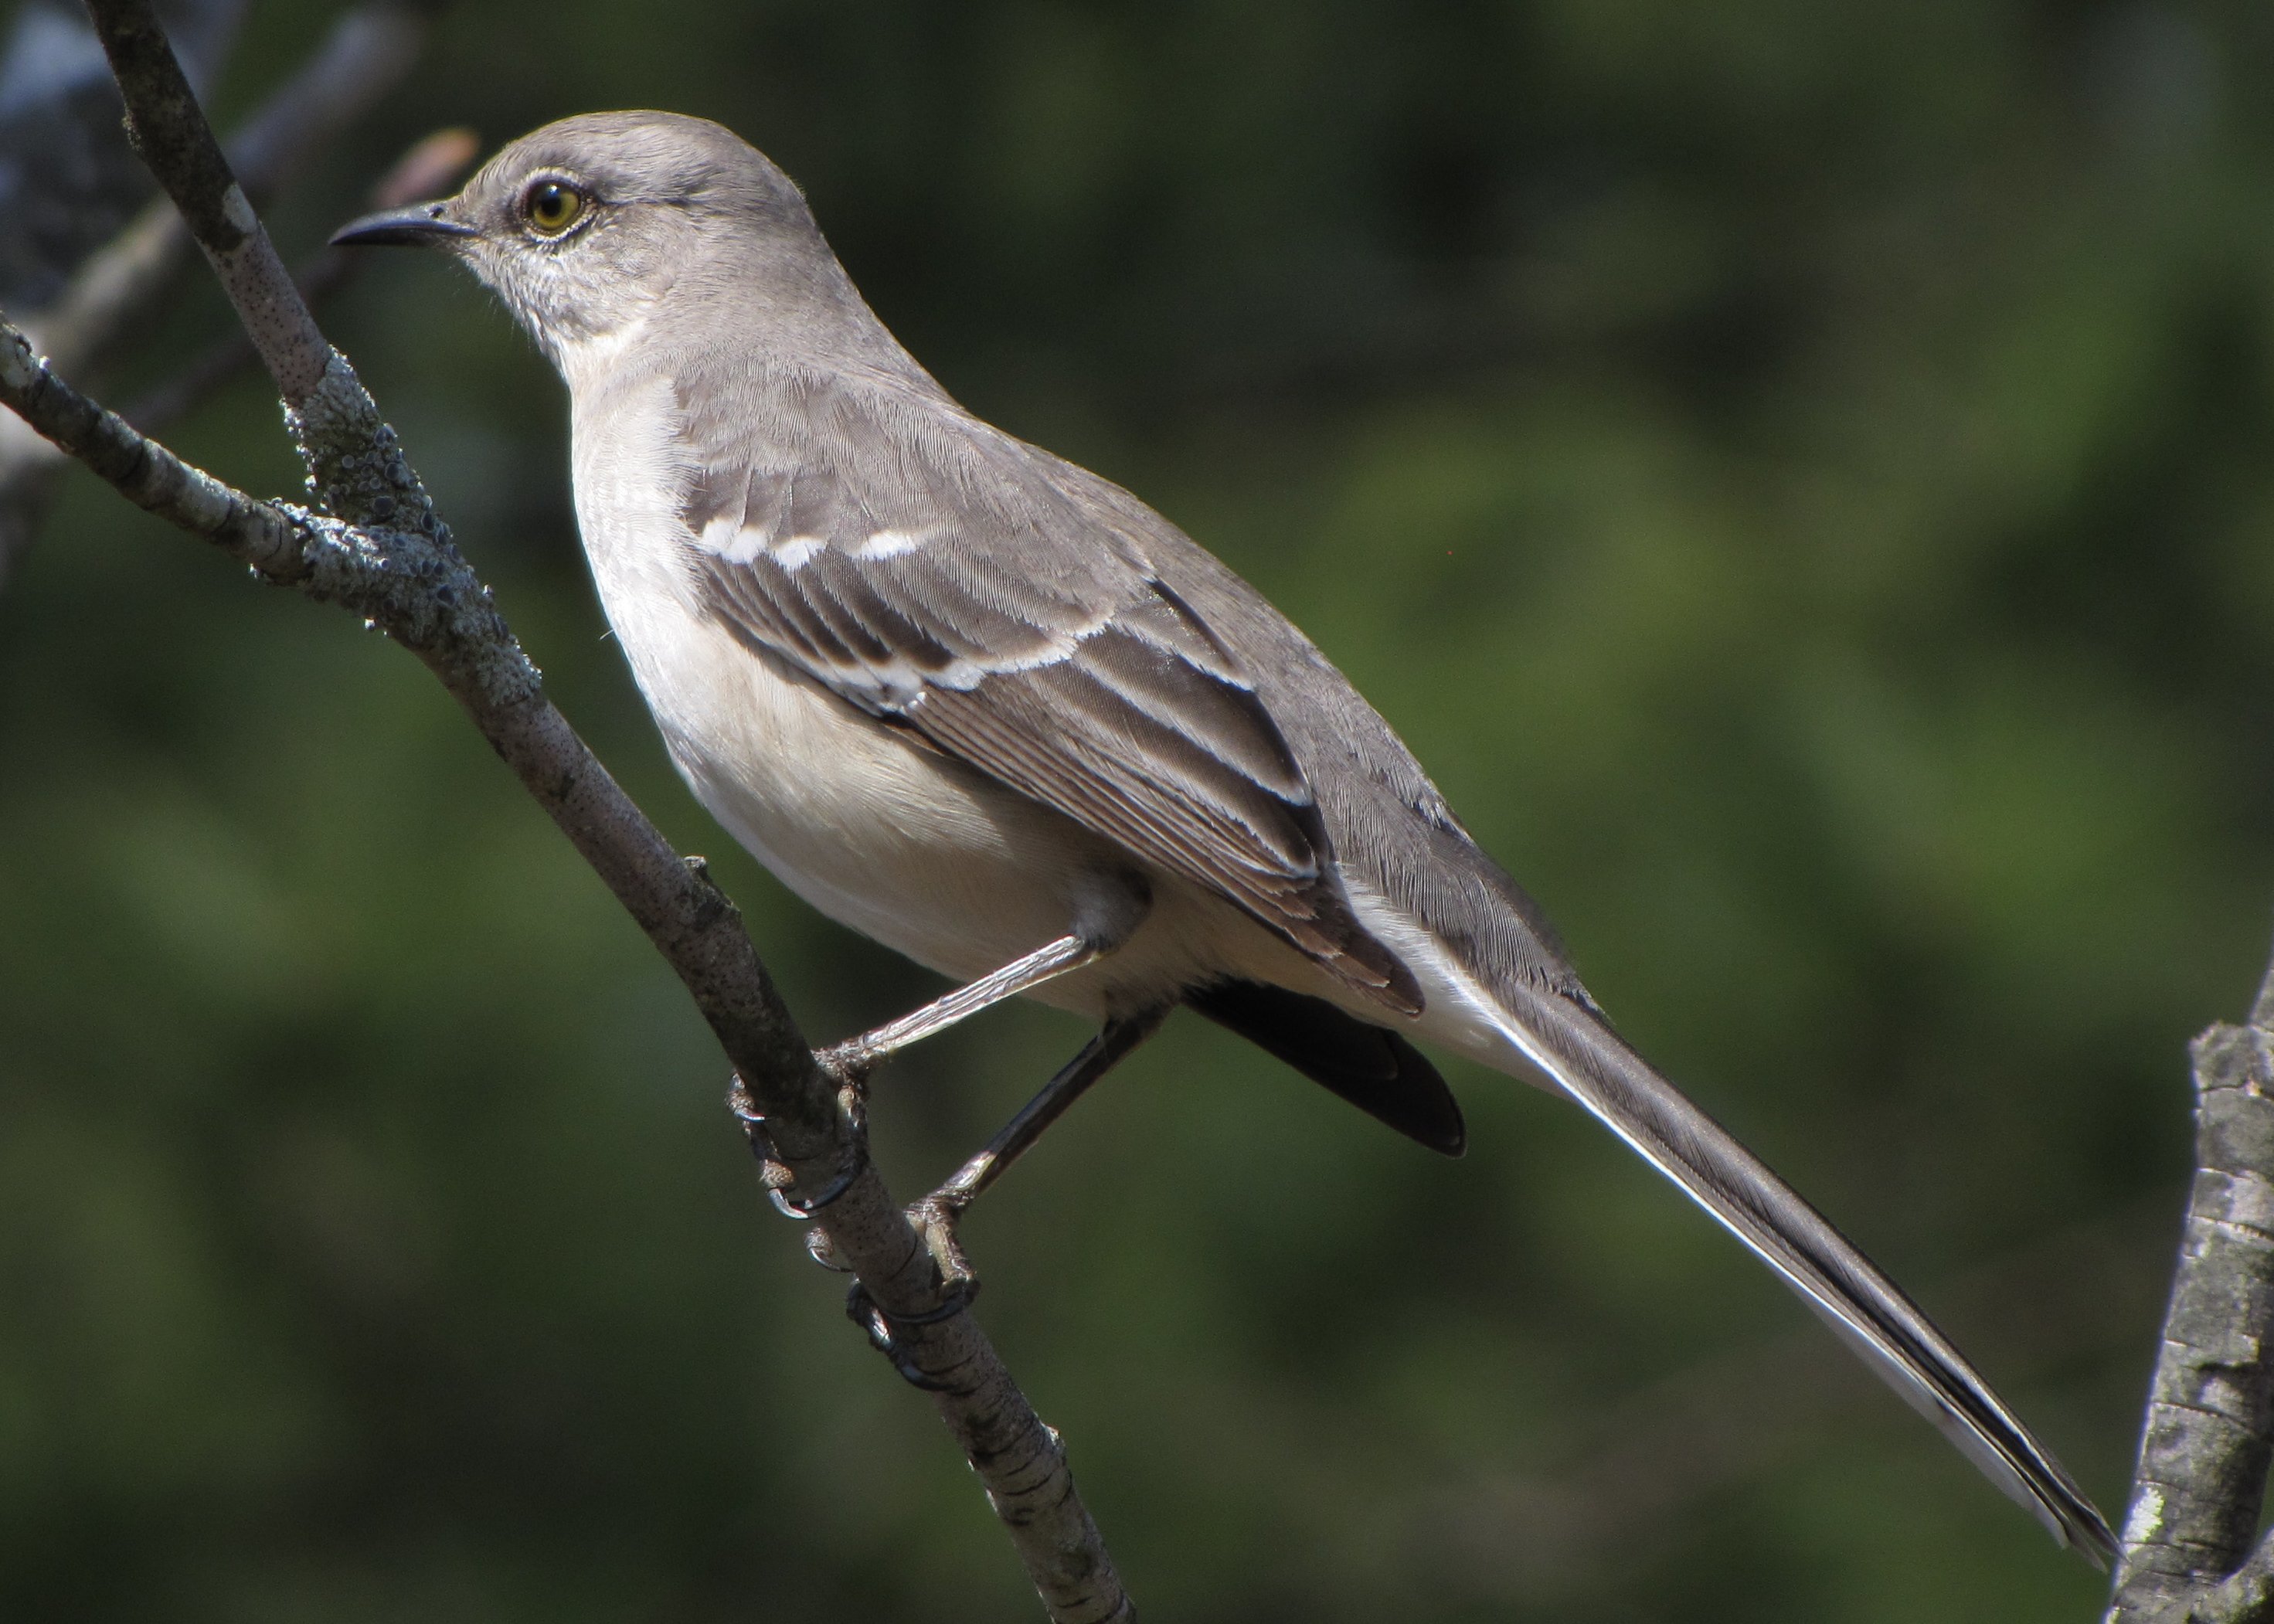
(952, 585)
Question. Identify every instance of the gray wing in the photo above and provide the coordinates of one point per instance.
(1401, 837)
(936, 575)
(1061, 640)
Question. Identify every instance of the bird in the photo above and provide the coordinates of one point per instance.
(991, 710)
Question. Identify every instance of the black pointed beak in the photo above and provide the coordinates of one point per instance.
(420, 226)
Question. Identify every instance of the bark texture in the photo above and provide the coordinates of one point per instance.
(371, 542)
(70, 173)
(2210, 1433)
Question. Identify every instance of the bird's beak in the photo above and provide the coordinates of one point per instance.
(421, 225)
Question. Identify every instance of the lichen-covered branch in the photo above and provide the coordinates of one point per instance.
(375, 543)
(145, 473)
(2210, 1433)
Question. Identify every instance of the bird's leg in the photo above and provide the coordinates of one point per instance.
(1108, 907)
(937, 1215)
(1112, 918)
(849, 1061)
(847, 1064)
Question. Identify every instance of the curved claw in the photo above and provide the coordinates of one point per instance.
(802, 1207)
(777, 1175)
(823, 1251)
(935, 1218)
(886, 1331)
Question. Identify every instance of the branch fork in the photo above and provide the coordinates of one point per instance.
(371, 541)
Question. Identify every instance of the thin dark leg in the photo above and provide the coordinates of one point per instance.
(849, 1063)
(1109, 1049)
(937, 1214)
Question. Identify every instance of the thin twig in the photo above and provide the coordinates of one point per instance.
(429, 167)
(170, 130)
(380, 549)
(363, 57)
(113, 292)
(152, 477)
(2210, 1431)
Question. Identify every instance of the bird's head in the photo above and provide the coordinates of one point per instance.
(585, 226)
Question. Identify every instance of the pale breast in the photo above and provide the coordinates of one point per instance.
(876, 830)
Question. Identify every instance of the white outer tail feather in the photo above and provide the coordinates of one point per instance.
(1591, 1063)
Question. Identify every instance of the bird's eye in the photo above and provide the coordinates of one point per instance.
(551, 206)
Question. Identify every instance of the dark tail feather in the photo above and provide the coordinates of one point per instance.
(1373, 1068)
(1577, 1047)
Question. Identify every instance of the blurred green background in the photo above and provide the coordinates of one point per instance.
(1797, 473)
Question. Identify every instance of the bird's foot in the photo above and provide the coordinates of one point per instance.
(781, 1181)
(894, 1336)
(935, 1219)
(848, 1064)
(955, 1285)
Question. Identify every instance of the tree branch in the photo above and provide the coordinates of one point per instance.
(432, 166)
(68, 180)
(2210, 1431)
(2245, 1596)
(169, 132)
(365, 54)
(272, 540)
(375, 545)
(360, 59)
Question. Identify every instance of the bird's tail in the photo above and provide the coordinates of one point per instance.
(1575, 1046)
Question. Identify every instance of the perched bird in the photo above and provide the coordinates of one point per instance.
(995, 712)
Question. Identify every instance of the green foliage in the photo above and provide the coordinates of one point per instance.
(1797, 474)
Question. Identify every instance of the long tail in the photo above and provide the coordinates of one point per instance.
(1574, 1045)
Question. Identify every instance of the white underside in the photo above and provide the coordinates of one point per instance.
(914, 849)
(876, 830)
(963, 875)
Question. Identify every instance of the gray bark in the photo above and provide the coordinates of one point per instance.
(2210, 1433)
(374, 545)
(89, 271)
(68, 180)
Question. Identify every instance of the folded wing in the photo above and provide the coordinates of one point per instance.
(956, 591)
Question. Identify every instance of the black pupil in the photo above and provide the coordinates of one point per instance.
(552, 204)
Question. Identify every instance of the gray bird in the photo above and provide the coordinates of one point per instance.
(993, 712)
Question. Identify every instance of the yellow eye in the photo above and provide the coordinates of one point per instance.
(551, 206)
